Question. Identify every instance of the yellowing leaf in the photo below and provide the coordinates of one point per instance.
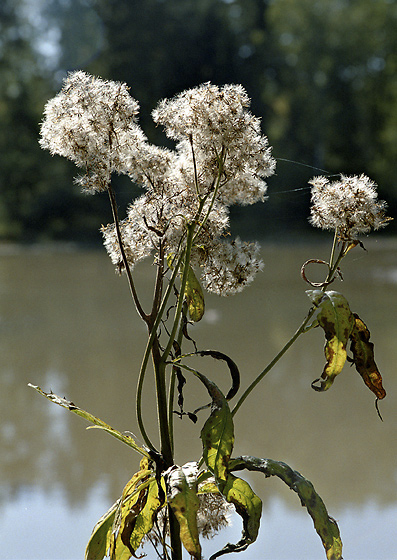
(363, 357)
(145, 519)
(217, 436)
(99, 542)
(183, 499)
(337, 321)
(194, 297)
(249, 506)
(132, 501)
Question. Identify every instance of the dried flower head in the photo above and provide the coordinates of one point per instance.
(221, 158)
(231, 266)
(93, 123)
(225, 137)
(348, 206)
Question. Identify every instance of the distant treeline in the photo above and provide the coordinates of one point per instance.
(322, 75)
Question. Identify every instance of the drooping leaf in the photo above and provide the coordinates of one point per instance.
(181, 483)
(69, 405)
(218, 438)
(234, 372)
(99, 542)
(194, 297)
(337, 321)
(326, 526)
(363, 357)
(132, 501)
(249, 506)
(217, 434)
(145, 519)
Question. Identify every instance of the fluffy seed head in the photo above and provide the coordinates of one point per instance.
(350, 206)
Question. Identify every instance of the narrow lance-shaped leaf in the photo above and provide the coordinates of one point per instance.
(337, 321)
(363, 357)
(99, 542)
(144, 521)
(69, 405)
(234, 371)
(217, 436)
(135, 515)
(249, 506)
(181, 483)
(326, 526)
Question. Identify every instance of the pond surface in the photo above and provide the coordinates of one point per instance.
(67, 324)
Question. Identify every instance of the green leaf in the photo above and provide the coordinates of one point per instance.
(181, 485)
(99, 542)
(249, 506)
(69, 405)
(337, 321)
(218, 438)
(363, 357)
(194, 297)
(217, 435)
(326, 526)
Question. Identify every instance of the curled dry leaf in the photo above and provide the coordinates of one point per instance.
(337, 321)
(363, 357)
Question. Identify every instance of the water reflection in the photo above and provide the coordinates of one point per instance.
(67, 324)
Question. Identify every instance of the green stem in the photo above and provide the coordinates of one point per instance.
(162, 409)
(176, 546)
(301, 329)
(134, 294)
(221, 160)
(181, 297)
(171, 394)
(259, 378)
(148, 351)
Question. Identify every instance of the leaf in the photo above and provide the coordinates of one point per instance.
(217, 436)
(69, 405)
(194, 297)
(363, 357)
(337, 321)
(249, 506)
(234, 372)
(326, 527)
(145, 519)
(135, 516)
(182, 496)
(99, 542)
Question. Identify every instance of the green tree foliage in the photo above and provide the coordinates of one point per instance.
(322, 74)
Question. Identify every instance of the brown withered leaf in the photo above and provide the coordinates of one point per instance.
(363, 357)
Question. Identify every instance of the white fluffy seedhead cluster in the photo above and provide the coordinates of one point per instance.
(216, 124)
(220, 158)
(93, 123)
(349, 206)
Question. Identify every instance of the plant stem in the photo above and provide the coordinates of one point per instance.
(259, 378)
(181, 297)
(301, 329)
(176, 545)
(153, 326)
(134, 294)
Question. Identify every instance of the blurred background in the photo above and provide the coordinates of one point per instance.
(322, 76)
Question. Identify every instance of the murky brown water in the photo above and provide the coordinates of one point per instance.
(67, 324)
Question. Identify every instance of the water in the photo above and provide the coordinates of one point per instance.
(67, 324)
